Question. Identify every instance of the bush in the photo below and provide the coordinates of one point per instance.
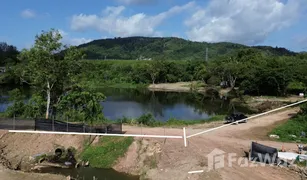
(146, 119)
(303, 109)
(296, 87)
(18, 107)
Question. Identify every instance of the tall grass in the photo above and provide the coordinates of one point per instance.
(294, 126)
(148, 120)
(107, 151)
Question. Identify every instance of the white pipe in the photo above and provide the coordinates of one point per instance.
(193, 172)
(94, 134)
(184, 137)
(261, 114)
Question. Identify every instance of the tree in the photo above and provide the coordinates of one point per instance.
(49, 66)
(82, 103)
(18, 106)
(153, 69)
(201, 72)
(8, 54)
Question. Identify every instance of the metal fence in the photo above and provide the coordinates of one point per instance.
(58, 126)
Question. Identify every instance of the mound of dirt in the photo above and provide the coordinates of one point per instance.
(18, 148)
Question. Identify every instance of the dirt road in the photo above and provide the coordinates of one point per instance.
(175, 161)
(167, 159)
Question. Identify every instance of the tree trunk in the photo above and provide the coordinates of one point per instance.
(48, 100)
(232, 81)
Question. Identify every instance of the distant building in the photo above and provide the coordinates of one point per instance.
(144, 58)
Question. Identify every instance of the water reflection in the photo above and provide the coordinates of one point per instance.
(163, 105)
(133, 103)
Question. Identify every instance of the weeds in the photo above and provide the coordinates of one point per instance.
(294, 126)
(148, 120)
(107, 151)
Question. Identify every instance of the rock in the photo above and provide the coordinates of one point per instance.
(303, 134)
(68, 163)
(87, 164)
(292, 135)
(274, 136)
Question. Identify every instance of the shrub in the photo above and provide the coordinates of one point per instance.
(296, 87)
(303, 109)
(146, 119)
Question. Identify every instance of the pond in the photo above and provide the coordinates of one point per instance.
(132, 103)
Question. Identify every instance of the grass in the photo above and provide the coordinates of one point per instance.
(2, 114)
(294, 126)
(148, 120)
(107, 151)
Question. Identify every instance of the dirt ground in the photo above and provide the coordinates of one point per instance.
(19, 147)
(6, 174)
(164, 158)
(176, 87)
(169, 159)
(16, 150)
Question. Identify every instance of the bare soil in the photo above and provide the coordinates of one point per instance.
(175, 87)
(163, 158)
(6, 174)
(169, 159)
(17, 151)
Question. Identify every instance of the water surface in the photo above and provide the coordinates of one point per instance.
(132, 103)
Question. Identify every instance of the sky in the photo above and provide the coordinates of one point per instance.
(281, 23)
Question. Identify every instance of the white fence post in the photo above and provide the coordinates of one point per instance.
(184, 137)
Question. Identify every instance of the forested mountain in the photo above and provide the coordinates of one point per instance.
(168, 48)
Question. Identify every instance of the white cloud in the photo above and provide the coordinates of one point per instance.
(66, 39)
(28, 13)
(113, 22)
(242, 21)
(136, 2)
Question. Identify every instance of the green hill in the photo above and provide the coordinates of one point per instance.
(167, 48)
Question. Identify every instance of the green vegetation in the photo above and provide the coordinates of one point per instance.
(295, 126)
(81, 105)
(148, 120)
(49, 73)
(136, 74)
(51, 70)
(107, 151)
(166, 49)
(59, 78)
(249, 70)
(2, 114)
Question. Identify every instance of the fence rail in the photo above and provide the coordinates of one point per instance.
(57, 126)
(251, 117)
(97, 134)
(43, 126)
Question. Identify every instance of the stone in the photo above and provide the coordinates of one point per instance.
(274, 136)
(292, 135)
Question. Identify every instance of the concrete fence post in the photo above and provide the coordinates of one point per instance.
(184, 137)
